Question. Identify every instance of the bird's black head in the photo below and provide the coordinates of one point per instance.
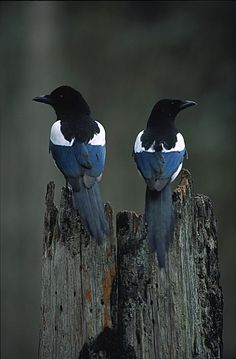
(66, 101)
(167, 110)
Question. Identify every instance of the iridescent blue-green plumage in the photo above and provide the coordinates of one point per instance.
(159, 152)
(82, 165)
(158, 168)
(77, 144)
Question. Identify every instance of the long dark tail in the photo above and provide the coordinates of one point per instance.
(90, 206)
(159, 216)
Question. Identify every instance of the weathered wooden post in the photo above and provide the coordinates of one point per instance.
(77, 278)
(114, 302)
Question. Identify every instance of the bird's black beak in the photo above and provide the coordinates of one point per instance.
(186, 104)
(43, 99)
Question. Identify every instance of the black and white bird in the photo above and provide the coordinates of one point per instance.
(77, 144)
(159, 151)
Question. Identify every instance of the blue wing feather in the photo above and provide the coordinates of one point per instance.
(66, 160)
(78, 159)
(97, 156)
(82, 164)
(158, 165)
(157, 168)
(172, 160)
(82, 155)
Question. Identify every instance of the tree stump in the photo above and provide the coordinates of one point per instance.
(113, 301)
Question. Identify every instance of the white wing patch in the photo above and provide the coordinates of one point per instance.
(99, 139)
(138, 145)
(179, 146)
(57, 137)
(173, 177)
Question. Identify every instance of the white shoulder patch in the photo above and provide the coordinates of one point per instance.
(138, 145)
(99, 139)
(57, 137)
(179, 146)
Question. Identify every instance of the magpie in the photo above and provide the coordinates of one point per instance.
(77, 145)
(159, 151)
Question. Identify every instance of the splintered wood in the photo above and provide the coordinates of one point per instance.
(112, 301)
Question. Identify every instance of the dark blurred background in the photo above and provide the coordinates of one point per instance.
(123, 57)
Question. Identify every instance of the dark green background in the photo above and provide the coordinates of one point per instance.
(123, 57)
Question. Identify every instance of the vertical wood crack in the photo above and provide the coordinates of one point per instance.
(113, 302)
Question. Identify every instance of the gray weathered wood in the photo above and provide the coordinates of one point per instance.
(175, 313)
(96, 304)
(77, 277)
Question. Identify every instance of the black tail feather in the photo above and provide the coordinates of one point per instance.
(89, 204)
(159, 216)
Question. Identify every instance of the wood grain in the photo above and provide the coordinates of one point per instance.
(112, 301)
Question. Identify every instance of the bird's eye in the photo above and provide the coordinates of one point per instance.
(61, 96)
(172, 103)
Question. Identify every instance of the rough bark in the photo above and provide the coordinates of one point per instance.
(114, 302)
